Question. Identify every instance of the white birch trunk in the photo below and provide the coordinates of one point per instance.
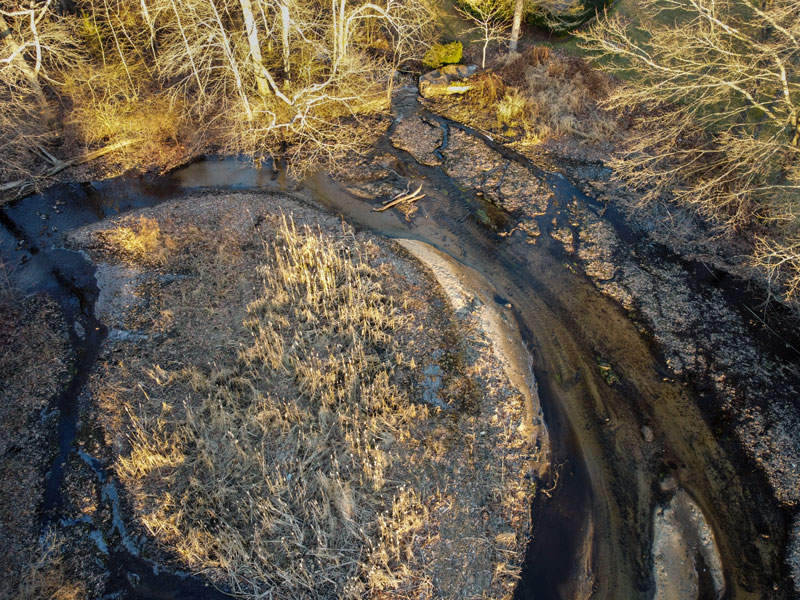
(516, 24)
(286, 23)
(255, 47)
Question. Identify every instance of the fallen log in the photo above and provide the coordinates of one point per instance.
(61, 165)
(410, 197)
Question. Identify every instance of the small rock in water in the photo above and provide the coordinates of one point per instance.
(647, 434)
(667, 483)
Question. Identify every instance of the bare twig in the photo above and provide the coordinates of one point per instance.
(410, 197)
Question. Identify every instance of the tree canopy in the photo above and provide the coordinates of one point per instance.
(251, 76)
(714, 91)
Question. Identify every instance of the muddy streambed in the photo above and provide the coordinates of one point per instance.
(640, 491)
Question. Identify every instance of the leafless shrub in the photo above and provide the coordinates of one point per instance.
(488, 88)
(102, 111)
(491, 20)
(540, 55)
(546, 95)
(37, 47)
(714, 93)
(511, 107)
(780, 260)
(47, 577)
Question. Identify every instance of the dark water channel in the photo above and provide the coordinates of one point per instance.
(593, 517)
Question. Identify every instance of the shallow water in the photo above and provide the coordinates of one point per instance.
(592, 519)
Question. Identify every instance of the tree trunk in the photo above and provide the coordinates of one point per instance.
(339, 38)
(515, 26)
(255, 47)
(266, 84)
(285, 25)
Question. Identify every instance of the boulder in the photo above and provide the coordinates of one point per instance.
(446, 80)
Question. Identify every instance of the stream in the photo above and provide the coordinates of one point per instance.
(592, 529)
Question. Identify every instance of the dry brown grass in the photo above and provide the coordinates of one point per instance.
(138, 241)
(275, 471)
(546, 95)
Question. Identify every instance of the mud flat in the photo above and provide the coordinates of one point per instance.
(419, 456)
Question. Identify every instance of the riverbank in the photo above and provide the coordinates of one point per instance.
(694, 295)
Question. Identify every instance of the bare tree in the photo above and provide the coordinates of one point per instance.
(14, 57)
(715, 90)
(254, 76)
(220, 56)
(490, 18)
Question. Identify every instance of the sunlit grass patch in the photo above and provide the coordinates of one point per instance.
(541, 95)
(138, 240)
(274, 471)
(512, 106)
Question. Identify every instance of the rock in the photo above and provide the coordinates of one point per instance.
(647, 434)
(667, 484)
(446, 80)
(459, 71)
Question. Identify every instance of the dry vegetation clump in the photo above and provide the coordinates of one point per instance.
(49, 576)
(312, 423)
(538, 96)
(274, 464)
(553, 96)
(138, 241)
